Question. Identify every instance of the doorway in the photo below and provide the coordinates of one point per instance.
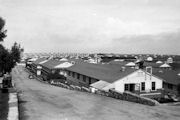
(129, 87)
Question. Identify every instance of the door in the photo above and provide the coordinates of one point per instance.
(132, 87)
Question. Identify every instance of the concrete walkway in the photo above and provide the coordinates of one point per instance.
(13, 107)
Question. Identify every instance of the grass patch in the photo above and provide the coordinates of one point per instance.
(4, 107)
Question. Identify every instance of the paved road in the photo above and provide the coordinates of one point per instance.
(40, 101)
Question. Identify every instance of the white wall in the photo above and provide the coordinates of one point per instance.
(137, 77)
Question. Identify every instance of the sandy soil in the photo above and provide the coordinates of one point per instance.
(40, 101)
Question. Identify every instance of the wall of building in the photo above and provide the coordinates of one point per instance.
(136, 78)
(170, 88)
(86, 81)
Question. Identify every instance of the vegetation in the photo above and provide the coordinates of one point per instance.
(8, 58)
(2, 31)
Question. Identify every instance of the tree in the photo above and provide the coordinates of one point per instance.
(16, 51)
(8, 58)
(2, 31)
(6, 63)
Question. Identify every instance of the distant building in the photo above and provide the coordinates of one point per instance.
(165, 66)
(50, 69)
(170, 60)
(159, 62)
(149, 59)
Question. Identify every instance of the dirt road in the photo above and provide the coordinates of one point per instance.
(40, 101)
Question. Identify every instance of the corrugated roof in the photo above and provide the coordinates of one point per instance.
(106, 72)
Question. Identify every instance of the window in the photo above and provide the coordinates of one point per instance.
(90, 80)
(143, 86)
(73, 74)
(153, 86)
(84, 78)
(78, 76)
(170, 86)
(126, 87)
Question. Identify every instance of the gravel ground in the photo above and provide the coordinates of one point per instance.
(40, 101)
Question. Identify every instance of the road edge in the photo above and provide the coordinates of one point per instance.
(13, 113)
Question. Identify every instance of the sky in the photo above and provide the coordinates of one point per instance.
(110, 26)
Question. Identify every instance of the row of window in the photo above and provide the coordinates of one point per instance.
(131, 87)
(72, 74)
(170, 86)
(153, 86)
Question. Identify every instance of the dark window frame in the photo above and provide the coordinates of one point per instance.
(78, 76)
(126, 87)
(90, 80)
(84, 78)
(143, 86)
(170, 86)
(153, 86)
(73, 74)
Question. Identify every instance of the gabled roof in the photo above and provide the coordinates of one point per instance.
(63, 59)
(64, 65)
(170, 76)
(159, 62)
(165, 65)
(50, 64)
(130, 64)
(39, 60)
(33, 59)
(106, 72)
(149, 59)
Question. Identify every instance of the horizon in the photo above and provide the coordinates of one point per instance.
(91, 26)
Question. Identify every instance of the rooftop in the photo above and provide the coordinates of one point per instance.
(39, 60)
(106, 72)
(50, 64)
(170, 76)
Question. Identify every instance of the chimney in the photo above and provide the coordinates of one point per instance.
(148, 70)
